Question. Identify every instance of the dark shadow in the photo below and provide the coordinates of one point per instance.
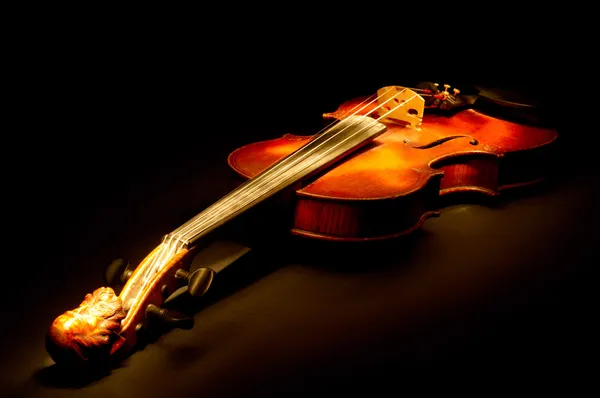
(252, 266)
(469, 198)
(538, 189)
(504, 198)
(71, 377)
(356, 257)
(260, 261)
(182, 357)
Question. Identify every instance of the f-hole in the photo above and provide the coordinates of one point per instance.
(432, 144)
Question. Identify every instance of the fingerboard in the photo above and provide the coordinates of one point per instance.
(325, 149)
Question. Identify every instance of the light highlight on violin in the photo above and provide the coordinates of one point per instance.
(84, 333)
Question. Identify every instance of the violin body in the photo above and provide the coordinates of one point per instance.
(393, 185)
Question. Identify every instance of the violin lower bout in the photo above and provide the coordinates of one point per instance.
(340, 219)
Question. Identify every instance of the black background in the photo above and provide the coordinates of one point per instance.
(119, 139)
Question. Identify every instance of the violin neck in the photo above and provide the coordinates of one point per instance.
(326, 148)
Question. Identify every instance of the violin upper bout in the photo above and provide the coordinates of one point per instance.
(250, 160)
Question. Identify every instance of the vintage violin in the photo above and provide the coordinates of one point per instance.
(376, 172)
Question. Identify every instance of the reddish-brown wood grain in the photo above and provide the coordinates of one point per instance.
(392, 185)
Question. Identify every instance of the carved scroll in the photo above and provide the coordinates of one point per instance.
(87, 332)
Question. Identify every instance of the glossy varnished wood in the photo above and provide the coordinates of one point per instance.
(392, 185)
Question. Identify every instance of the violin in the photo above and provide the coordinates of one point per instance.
(394, 185)
(376, 172)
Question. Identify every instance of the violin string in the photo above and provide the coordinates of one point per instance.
(203, 221)
(196, 227)
(181, 236)
(169, 249)
(292, 160)
(248, 199)
(192, 224)
(182, 230)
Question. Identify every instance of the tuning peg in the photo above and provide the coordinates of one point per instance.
(198, 281)
(169, 318)
(117, 273)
